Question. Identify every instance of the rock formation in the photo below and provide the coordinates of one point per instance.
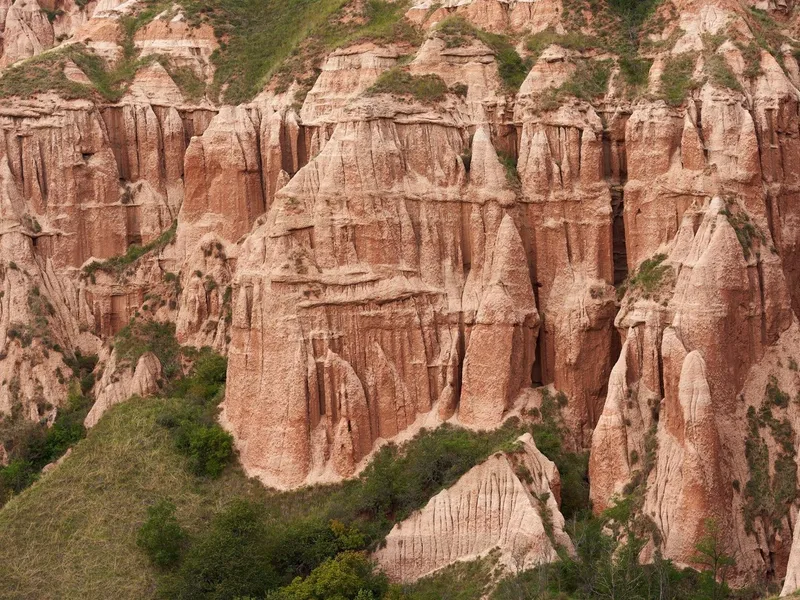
(374, 262)
(509, 502)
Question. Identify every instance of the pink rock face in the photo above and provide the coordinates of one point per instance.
(495, 505)
(121, 381)
(375, 263)
(222, 173)
(26, 32)
(502, 343)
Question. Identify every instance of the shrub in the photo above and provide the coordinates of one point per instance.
(349, 576)
(292, 40)
(775, 395)
(15, 477)
(509, 162)
(746, 230)
(539, 42)
(118, 264)
(140, 337)
(589, 80)
(425, 88)
(33, 445)
(231, 559)
(649, 275)
(456, 31)
(635, 71)
(398, 482)
(161, 536)
(676, 78)
(195, 432)
(720, 73)
(208, 447)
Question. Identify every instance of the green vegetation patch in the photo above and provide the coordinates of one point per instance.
(425, 88)
(32, 445)
(573, 40)
(588, 81)
(549, 434)
(460, 581)
(769, 497)
(73, 535)
(41, 74)
(456, 32)
(720, 73)
(259, 37)
(648, 278)
(606, 565)
(118, 264)
(102, 523)
(676, 79)
(746, 231)
(141, 336)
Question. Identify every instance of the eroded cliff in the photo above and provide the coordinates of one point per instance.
(495, 197)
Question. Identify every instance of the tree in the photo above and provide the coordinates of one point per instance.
(349, 576)
(161, 536)
(713, 560)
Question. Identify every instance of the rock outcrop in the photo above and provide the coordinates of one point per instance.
(372, 263)
(120, 381)
(509, 502)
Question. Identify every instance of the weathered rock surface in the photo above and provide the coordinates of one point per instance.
(121, 381)
(373, 263)
(501, 503)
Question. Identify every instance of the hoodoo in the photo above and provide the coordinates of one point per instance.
(492, 296)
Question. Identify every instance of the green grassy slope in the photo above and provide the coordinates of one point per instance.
(73, 534)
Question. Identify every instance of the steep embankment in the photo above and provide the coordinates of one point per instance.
(73, 534)
(392, 216)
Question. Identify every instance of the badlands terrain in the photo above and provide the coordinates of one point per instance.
(366, 299)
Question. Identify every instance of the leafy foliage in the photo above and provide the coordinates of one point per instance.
(676, 79)
(720, 73)
(348, 576)
(425, 88)
(768, 497)
(293, 39)
(31, 445)
(572, 467)
(161, 537)
(456, 31)
(746, 231)
(118, 264)
(193, 426)
(141, 336)
(649, 277)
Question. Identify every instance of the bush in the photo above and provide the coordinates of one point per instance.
(209, 448)
(539, 42)
(161, 536)
(194, 427)
(425, 88)
(118, 264)
(676, 79)
(15, 477)
(589, 80)
(649, 275)
(775, 395)
(231, 559)
(349, 576)
(456, 31)
(572, 467)
(399, 481)
(635, 71)
(720, 73)
(139, 337)
(32, 446)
